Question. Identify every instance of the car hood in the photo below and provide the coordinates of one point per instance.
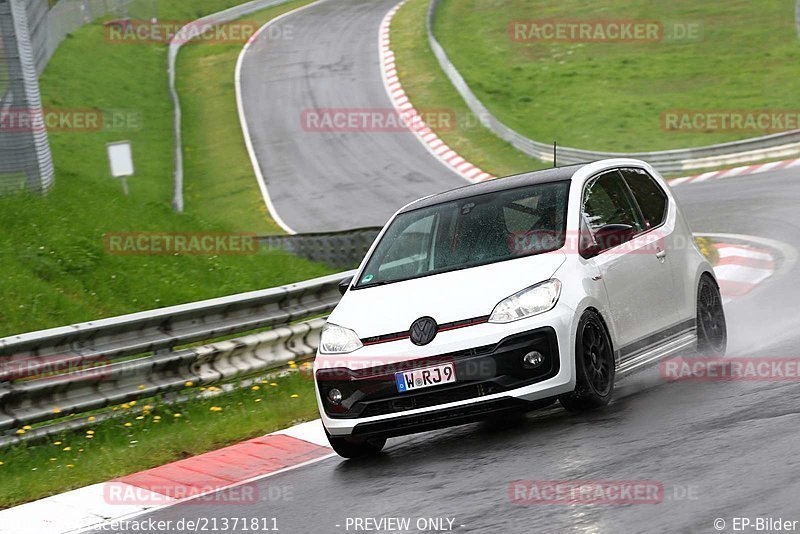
(447, 297)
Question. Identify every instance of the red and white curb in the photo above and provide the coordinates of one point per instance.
(405, 108)
(737, 171)
(742, 268)
(198, 477)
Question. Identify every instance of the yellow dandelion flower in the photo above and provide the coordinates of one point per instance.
(140, 418)
(176, 415)
(89, 436)
(291, 362)
(132, 403)
(258, 400)
(70, 466)
(80, 450)
(57, 443)
(216, 408)
(67, 449)
(147, 406)
(189, 384)
(90, 431)
(156, 417)
(295, 395)
(56, 410)
(26, 427)
(255, 388)
(20, 432)
(115, 408)
(142, 386)
(273, 384)
(92, 419)
(2, 463)
(128, 424)
(52, 459)
(125, 406)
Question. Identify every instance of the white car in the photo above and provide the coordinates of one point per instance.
(509, 294)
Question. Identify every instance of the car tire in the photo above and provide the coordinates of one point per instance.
(712, 331)
(349, 447)
(595, 366)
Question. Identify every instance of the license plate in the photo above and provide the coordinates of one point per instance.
(425, 378)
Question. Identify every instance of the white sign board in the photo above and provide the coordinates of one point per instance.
(120, 158)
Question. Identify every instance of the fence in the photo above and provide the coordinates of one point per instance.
(47, 375)
(25, 159)
(338, 250)
(30, 32)
(667, 161)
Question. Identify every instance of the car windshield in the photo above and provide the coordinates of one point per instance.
(470, 232)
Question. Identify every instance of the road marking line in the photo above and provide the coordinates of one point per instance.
(736, 171)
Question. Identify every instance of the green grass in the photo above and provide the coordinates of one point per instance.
(220, 178)
(33, 471)
(56, 270)
(429, 89)
(610, 96)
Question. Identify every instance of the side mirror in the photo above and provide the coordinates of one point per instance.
(612, 235)
(344, 285)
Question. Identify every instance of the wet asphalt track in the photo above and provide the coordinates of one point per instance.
(326, 58)
(720, 449)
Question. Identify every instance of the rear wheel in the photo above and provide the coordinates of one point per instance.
(594, 366)
(712, 332)
(349, 447)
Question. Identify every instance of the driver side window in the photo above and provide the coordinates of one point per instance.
(609, 212)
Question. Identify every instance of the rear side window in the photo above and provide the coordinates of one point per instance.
(606, 201)
(651, 198)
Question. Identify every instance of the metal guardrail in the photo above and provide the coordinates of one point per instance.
(667, 161)
(338, 250)
(197, 27)
(47, 375)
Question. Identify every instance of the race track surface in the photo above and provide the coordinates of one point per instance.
(720, 449)
(326, 58)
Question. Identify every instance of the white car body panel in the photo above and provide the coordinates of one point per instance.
(637, 293)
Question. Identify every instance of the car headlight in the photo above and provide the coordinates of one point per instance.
(336, 339)
(528, 302)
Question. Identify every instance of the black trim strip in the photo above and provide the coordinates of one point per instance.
(397, 336)
(659, 337)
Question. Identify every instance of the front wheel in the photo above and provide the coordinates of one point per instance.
(712, 332)
(594, 366)
(349, 447)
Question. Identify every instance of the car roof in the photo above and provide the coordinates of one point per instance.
(557, 174)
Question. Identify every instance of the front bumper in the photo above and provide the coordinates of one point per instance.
(489, 372)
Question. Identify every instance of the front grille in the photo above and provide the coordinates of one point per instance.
(480, 372)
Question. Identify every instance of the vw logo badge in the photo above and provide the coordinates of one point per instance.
(423, 330)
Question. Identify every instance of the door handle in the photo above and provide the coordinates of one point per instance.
(661, 254)
(597, 277)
